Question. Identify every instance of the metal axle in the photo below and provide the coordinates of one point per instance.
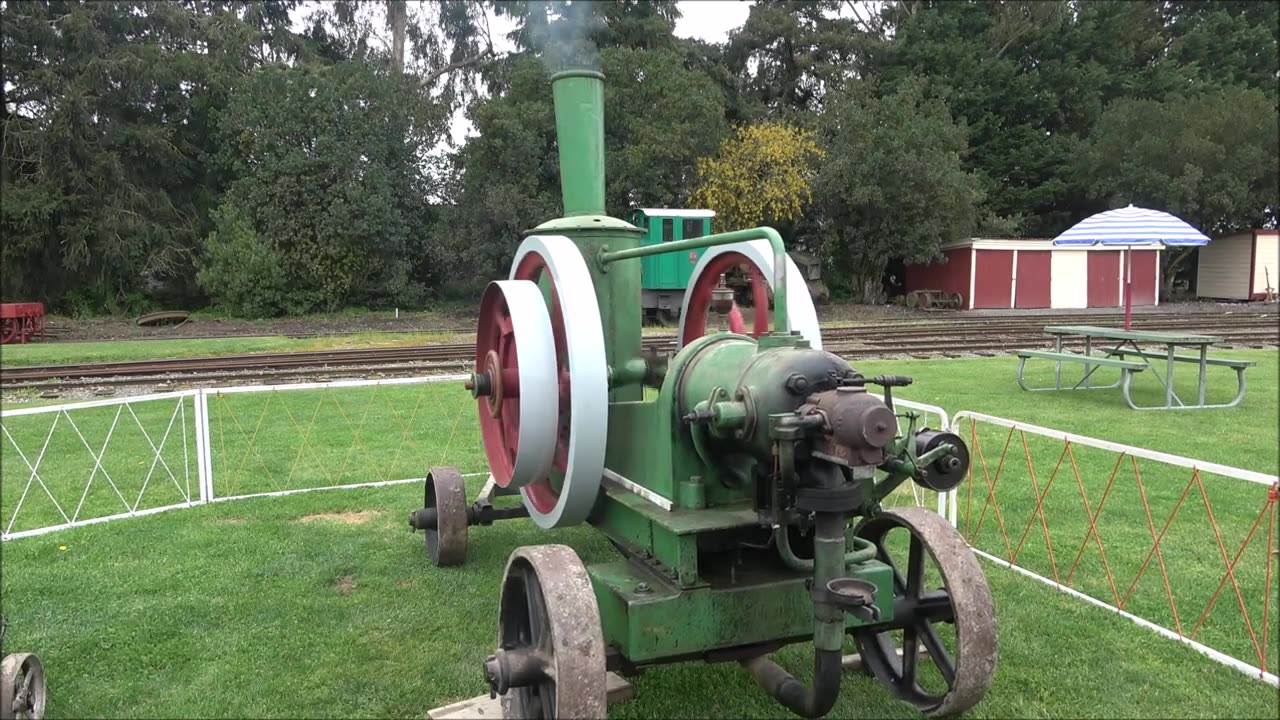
(429, 518)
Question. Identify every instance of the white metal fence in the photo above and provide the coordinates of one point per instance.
(89, 462)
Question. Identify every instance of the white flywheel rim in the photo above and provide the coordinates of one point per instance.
(802, 316)
(589, 378)
(536, 359)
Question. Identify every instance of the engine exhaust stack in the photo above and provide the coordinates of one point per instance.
(579, 108)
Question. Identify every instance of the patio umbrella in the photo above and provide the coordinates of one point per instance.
(1129, 226)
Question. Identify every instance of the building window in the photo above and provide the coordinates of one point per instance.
(692, 228)
(667, 230)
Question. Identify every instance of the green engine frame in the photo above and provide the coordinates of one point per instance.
(690, 585)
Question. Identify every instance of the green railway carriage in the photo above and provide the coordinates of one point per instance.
(663, 278)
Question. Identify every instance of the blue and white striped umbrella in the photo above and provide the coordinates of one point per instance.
(1131, 226)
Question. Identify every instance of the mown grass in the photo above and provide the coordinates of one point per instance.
(13, 356)
(252, 608)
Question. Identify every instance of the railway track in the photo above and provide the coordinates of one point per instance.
(1071, 318)
(864, 340)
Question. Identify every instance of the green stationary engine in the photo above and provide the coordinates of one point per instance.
(726, 474)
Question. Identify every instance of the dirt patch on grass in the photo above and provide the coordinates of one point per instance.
(227, 521)
(344, 584)
(405, 584)
(347, 518)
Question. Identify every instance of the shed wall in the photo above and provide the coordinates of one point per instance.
(1034, 284)
(992, 282)
(1070, 288)
(950, 276)
(1266, 262)
(1223, 271)
(1104, 278)
(1142, 287)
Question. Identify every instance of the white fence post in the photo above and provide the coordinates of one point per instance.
(206, 467)
(202, 445)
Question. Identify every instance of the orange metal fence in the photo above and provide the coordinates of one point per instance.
(1093, 518)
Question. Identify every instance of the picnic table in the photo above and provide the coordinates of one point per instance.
(1121, 345)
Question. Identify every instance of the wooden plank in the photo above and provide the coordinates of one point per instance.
(482, 707)
(1135, 335)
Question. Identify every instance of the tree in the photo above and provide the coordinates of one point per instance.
(791, 53)
(761, 174)
(107, 116)
(1210, 159)
(328, 173)
(892, 184)
(659, 118)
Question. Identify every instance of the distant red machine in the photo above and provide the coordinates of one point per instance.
(21, 321)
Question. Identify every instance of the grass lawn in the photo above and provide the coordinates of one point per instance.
(116, 351)
(324, 605)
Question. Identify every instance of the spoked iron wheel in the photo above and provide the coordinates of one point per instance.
(22, 689)
(445, 491)
(551, 659)
(939, 652)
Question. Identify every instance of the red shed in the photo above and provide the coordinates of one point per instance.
(1032, 273)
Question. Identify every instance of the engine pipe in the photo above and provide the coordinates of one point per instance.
(578, 96)
(863, 550)
(779, 319)
(828, 631)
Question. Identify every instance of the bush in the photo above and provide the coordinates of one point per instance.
(241, 271)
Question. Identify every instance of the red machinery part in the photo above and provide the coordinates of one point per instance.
(698, 299)
(757, 255)
(21, 321)
(516, 364)
(582, 383)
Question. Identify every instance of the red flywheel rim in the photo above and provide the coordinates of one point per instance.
(700, 295)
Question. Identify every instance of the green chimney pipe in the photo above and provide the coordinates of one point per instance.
(579, 105)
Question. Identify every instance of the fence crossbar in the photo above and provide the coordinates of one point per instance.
(1258, 638)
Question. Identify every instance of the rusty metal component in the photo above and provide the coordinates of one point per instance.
(967, 663)
(22, 687)
(164, 317)
(857, 426)
(934, 299)
(445, 493)
(550, 661)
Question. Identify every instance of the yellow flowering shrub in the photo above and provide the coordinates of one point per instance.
(760, 173)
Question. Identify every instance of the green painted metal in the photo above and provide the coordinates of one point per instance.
(650, 619)
(579, 105)
(696, 445)
(1152, 336)
(669, 271)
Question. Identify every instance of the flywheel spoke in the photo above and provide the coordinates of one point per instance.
(966, 661)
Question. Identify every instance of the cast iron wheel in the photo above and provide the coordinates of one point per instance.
(548, 611)
(964, 662)
(446, 491)
(22, 690)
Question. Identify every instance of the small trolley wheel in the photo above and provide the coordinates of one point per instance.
(22, 689)
(446, 492)
(551, 657)
(961, 659)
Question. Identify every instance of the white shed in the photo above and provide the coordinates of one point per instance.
(1240, 266)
